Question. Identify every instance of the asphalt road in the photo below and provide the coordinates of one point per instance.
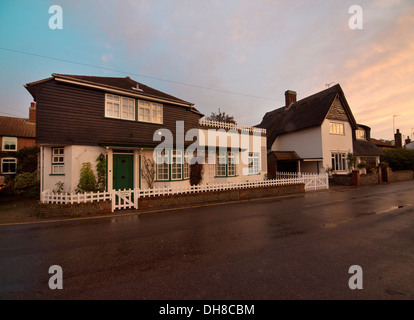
(297, 247)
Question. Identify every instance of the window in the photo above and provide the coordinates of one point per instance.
(186, 168)
(162, 166)
(176, 164)
(112, 106)
(157, 113)
(172, 165)
(8, 165)
(254, 163)
(144, 111)
(58, 160)
(336, 128)
(226, 164)
(360, 134)
(119, 107)
(221, 164)
(338, 161)
(150, 112)
(128, 109)
(9, 144)
(231, 164)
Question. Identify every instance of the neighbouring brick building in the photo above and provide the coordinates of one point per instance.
(15, 134)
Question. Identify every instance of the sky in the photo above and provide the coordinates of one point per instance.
(239, 56)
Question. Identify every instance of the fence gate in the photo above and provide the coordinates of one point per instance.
(124, 199)
(316, 182)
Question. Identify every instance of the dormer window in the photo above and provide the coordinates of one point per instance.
(360, 134)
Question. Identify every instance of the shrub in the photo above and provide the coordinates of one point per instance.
(399, 159)
(87, 181)
(101, 171)
(27, 159)
(196, 173)
(26, 184)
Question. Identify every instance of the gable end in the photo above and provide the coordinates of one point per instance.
(337, 111)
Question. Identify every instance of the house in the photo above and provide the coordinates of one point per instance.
(382, 144)
(15, 134)
(315, 134)
(365, 150)
(84, 119)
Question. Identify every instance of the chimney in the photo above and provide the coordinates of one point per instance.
(290, 97)
(32, 112)
(398, 139)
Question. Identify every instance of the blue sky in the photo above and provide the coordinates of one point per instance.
(252, 50)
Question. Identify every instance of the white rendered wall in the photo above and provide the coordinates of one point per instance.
(333, 143)
(75, 156)
(306, 143)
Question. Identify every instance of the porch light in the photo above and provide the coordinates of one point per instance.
(101, 157)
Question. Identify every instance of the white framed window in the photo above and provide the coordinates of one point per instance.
(8, 165)
(221, 165)
(338, 161)
(360, 134)
(144, 111)
(186, 168)
(112, 106)
(231, 164)
(157, 113)
(128, 109)
(336, 128)
(9, 144)
(226, 164)
(150, 112)
(172, 165)
(254, 163)
(58, 160)
(176, 164)
(162, 166)
(119, 107)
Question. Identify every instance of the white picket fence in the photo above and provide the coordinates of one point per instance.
(312, 181)
(230, 126)
(128, 198)
(67, 198)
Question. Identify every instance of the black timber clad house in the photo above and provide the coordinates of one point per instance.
(71, 110)
(80, 118)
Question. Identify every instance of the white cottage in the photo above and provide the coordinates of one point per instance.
(313, 134)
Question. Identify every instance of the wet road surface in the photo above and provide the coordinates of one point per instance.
(298, 247)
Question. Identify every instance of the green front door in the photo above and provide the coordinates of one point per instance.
(123, 171)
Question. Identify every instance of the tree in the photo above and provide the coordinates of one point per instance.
(399, 159)
(221, 117)
(148, 171)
